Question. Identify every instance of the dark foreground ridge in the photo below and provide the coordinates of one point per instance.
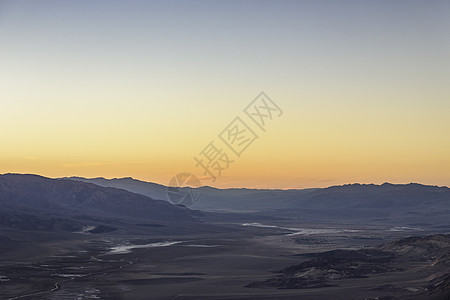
(329, 266)
(429, 255)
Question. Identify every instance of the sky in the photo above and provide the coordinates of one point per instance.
(141, 88)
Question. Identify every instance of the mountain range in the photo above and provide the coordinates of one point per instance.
(36, 202)
(69, 238)
(385, 203)
(32, 201)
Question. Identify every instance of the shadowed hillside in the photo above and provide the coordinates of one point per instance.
(36, 202)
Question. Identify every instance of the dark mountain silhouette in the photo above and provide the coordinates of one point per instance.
(363, 201)
(212, 199)
(150, 189)
(411, 204)
(36, 202)
(377, 196)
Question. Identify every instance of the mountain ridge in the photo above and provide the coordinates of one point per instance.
(262, 189)
(28, 199)
(262, 199)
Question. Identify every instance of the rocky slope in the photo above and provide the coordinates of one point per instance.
(423, 261)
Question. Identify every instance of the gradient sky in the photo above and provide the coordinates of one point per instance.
(138, 88)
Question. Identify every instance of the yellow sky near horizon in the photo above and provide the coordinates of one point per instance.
(140, 89)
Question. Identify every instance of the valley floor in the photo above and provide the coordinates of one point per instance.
(217, 261)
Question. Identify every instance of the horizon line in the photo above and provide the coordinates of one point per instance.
(236, 188)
